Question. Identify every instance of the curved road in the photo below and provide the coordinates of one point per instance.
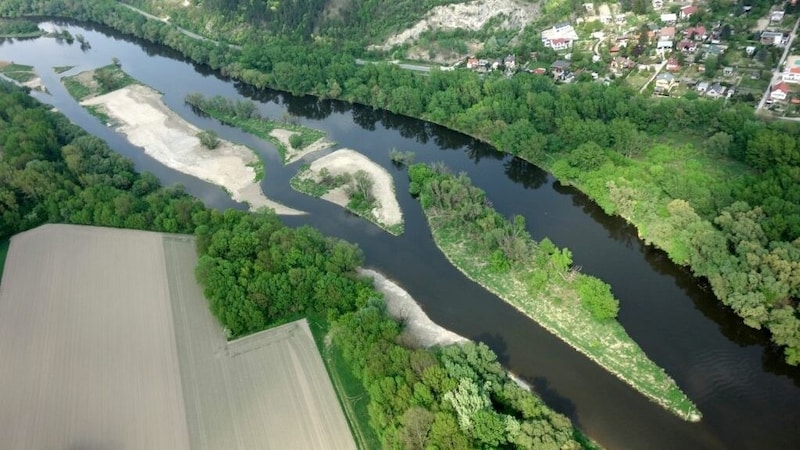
(182, 30)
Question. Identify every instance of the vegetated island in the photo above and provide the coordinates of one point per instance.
(537, 278)
(138, 112)
(293, 140)
(22, 74)
(350, 179)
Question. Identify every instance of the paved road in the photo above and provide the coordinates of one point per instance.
(182, 30)
(776, 75)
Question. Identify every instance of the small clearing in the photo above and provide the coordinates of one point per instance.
(293, 154)
(468, 16)
(168, 138)
(418, 327)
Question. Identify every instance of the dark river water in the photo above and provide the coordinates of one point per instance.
(750, 399)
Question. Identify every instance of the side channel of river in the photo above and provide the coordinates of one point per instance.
(748, 396)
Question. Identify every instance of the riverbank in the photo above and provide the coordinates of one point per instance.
(539, 282)
(355, 182)
(418, 328)
(145, 120)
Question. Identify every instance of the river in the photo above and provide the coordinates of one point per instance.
(748, 396)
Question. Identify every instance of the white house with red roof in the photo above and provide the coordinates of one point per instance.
(687, 11)
(779, 91)
(791, 74)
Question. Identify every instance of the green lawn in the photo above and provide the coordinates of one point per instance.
(18, 72)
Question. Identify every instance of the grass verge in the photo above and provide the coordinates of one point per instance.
(62, 69)
(350, 391)
(4, 244)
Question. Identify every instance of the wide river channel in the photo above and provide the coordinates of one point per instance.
(750, 399)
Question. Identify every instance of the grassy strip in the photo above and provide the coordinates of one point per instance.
(99, 112)
(305, 181)
(18, 72)
(4, 244)
(256, 125)
(555, 304)
(62, 69)
(352, 395)
(20, 77)
(97, 82)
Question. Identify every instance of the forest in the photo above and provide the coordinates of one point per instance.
(257, 273)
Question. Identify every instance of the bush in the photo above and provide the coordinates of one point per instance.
(209, 139)
(596, 297)
(296, 141)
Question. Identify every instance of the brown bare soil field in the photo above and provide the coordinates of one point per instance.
(87, 350)
(106, 341)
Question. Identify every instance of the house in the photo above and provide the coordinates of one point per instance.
(750, 50)
(672, 65)
(776, 16)
(472, 63)
(621, 63)
(560, 37)
(688, 11)
(698, 33)
(702, 87)
(669, 18)
(664, 44)
(605, 14)
(664, 82)
(687, 46)
(667, 32)
(779, 92)
(727, 71)
(716, 90)
(791, 75)
(510, 62)
(539, 71)
(613, 50)
(772, 38)
(560, 68)
(657, 4)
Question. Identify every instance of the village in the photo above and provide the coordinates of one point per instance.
(674, 49)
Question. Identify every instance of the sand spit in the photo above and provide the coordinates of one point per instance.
(349, 161)
(148, 123)
(293, 154)
(401, 306)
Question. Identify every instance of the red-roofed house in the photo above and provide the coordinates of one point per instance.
(672, 65)
(779, 92)
(472, 63)
(698, 33)
(667, 32)
(791, 75)
(687, 11)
